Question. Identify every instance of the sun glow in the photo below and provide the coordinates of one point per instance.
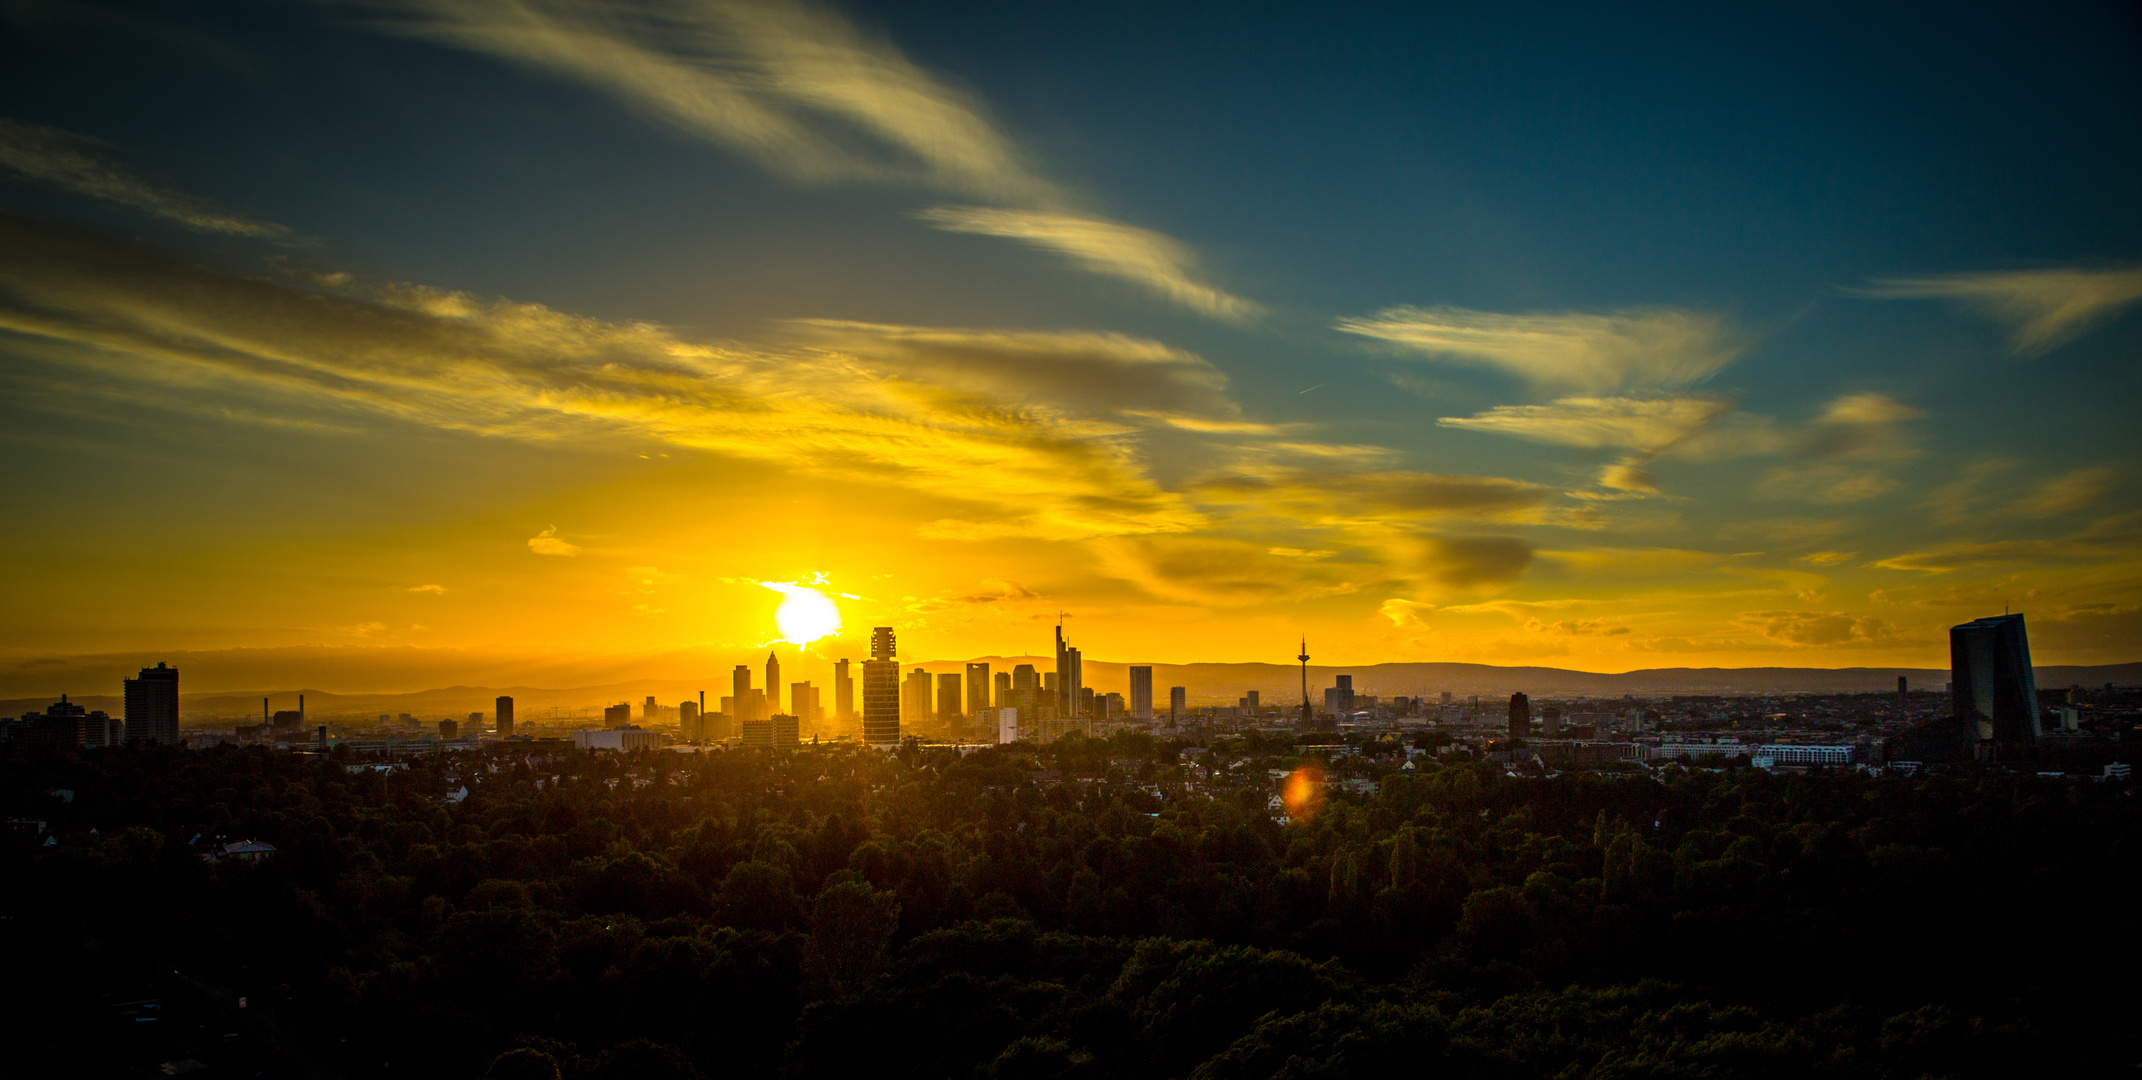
(805, 614)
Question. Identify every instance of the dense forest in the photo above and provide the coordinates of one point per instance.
(1126, 908)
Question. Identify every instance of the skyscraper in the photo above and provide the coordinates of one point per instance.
(1178, 698)
(649, 708)
(1520, 717)
(773, 681)
(977, 689)
(152, 710)
(948, 698)
(803, 702)
(1141, 692)
(742, 678)
(1026, 693)
(1995, 692)
(502, 716)
(1002, 699)
(843, 691)
(915, 694)
(881, 691)
(1069, 679)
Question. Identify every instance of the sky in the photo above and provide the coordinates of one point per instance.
(1515, 333)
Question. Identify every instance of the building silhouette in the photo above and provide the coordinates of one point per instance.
(1070, 678)
(1178, 697)
(773, 681)
(618, 715)
(1520, 717)
(977, 689)
(741, 680)
(843, 691)
(948, 709)
(648, 708)
(1994, 692)
(1026, 693)
(1141, 692)
(502, 716)
(881, 691)
(152, 708)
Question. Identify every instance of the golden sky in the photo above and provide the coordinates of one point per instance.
(610, 325)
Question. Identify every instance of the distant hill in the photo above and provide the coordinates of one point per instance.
(1207, 684)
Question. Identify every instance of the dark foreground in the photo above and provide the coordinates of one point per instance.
(837, 913)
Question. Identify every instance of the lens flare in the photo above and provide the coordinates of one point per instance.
(1303, 791)
(805, 614)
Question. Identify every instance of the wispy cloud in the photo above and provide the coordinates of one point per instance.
(85, 166)
(1157, 263)
(806, 94)
(547, 542)
(1647, 427)
(2068, 492)
(2043, 309)
(1659, 349)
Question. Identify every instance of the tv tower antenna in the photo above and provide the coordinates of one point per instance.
(1307, 717)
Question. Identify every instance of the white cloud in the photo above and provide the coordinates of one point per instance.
(1622, 423)
(1160, 264)
(1659, 349)
(73, 163)
(547, 543)
(435, 590)
(799, 89)
(2042, 308)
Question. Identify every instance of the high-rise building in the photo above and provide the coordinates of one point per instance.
(648, 709)
(1520, 717)
(152, 711)
(1345, 688)
(1994, 691)
(448, 730)
(881, 691)
(803, 703)
(1141, 692)
(1446, 697)
(1178, 697)
(843, 691)
(689, 727)
(977, 689)
(502, 716)
(741, 677)
(1250, 700)
(1069, 678)
(773, 681)
(618, 715)
(1001, 698)
(1026, 693)
(1903, 691)
(915, 694)
(948, 698)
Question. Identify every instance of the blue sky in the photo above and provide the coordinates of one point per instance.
(1512, 333)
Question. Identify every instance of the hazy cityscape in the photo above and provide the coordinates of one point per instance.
(830, 539)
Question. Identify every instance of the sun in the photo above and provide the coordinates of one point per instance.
(805, 614)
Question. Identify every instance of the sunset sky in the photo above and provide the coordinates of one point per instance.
(1582, 336)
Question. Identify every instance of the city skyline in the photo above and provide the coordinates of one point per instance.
(573, 332)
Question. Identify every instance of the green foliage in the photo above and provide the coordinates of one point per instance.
(835, 912)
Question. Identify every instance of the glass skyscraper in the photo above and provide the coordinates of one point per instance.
(1994, 691)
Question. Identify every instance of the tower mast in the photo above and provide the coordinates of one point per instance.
(1308, 718)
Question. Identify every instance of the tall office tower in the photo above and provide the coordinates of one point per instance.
(1520, 716)
(1446, 697)
(754, 705)
(773, 681)
(1994, 691)
(977, 689)
(1345, 688)
(502, 716)
(1141, 692)
(449, 731)
(948, 698)
(1903, 692)
(1026, 692)
(618, 715)
(1113, 704)
(741, 677)
(1084, 704)
(803, 703)
(1251, 701)
(1069, 678)
(689, 729)
(915, 703)
(152, 706)
(881, 691)
(1002, 698)
(648, 708)
(843, 691)
(1551, 720)
(1178, 697)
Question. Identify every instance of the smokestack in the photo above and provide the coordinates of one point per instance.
(264, 710)
(301, 708)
